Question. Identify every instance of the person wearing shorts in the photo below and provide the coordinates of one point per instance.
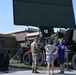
(51, 50)
(61, 54)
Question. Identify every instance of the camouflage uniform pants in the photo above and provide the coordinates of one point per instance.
(34, 62)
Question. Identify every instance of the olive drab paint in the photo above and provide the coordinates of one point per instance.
(49, 13)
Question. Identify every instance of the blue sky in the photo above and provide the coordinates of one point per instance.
(6, 16)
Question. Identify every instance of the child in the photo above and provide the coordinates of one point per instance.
(61, 52)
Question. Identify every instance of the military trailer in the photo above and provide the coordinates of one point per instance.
(26, 56)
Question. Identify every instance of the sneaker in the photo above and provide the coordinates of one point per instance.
(61, 72)
(32, 70)
(36, 72)
(52, 73)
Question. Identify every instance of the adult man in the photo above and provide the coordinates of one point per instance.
(35, 52)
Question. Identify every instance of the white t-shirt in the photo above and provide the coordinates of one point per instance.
(51, 49)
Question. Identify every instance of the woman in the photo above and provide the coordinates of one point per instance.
(51, 51)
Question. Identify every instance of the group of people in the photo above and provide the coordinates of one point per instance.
(51, 52)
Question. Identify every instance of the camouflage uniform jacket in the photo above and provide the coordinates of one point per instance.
(34, 48)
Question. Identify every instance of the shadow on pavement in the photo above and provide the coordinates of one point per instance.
(13, 70)
(64, 74)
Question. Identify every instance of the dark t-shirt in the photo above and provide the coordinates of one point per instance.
(61, 50)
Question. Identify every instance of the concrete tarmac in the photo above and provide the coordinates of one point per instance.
(17, 71)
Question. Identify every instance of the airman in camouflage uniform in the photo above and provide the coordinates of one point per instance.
(35, 53)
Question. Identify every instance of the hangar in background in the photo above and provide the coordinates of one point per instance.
(12, 42)
(7, 44)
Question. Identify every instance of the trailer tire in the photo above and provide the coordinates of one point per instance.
(27, 58)
(41, 59)
(74, 61)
